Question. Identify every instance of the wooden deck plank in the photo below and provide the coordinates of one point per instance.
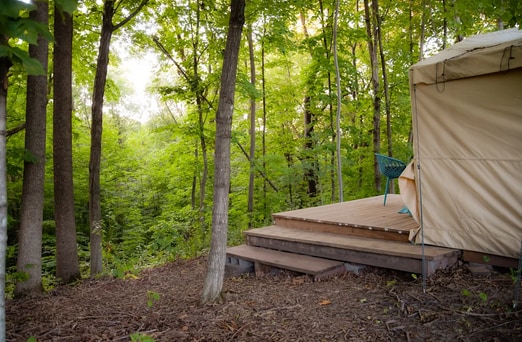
(294, 262)
(489, 259)
(334, 228)
(365, 214)
(368, 245)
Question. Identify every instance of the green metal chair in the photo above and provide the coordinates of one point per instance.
(391, 168)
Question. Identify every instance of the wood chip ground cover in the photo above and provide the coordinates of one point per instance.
(162, 304)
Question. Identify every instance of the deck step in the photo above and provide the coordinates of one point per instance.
(402, 256)
(318, 268)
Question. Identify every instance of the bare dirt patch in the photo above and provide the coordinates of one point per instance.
(376, 305)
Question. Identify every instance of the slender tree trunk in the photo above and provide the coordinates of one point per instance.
(217, 255)
(378, 31)
(194, 182)
(95, 218)
(330, 102)
(29, 259)
(290, 164)
(372, 49)
(252, 131)
(204, 155)
(385, 85)
(67, 266)
(200, 99)
(355, 122)
(338, 111)
(266, 213)
(445, 25)
(5, 64)
(423, 30)
(100, 79)
(411, 56)
(310, 174)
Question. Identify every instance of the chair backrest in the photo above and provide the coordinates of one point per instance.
(390, 167)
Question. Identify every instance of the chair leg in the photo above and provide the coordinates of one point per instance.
(386, 190)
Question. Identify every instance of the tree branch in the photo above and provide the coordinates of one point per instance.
(164, 50)
(130, 16)
(14, 130)
(180, 68)
(260, 172)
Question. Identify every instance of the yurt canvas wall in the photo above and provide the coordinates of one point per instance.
(467, 122)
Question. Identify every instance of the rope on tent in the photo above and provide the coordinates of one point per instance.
(419, 179)
(517, 285)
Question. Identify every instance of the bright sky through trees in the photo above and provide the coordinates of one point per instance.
(136, 72)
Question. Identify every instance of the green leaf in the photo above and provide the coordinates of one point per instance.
(31, 65)
(12, 28)
(5, 50)
(19, 54)
(29, 157)
(29, 30)
(391, 282)
(137, 337)
(68, 6)
(29, 36)
(12, 8)
(152, 297)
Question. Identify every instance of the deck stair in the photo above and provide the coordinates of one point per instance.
(317, 241)
(265, 259)
(353, 249)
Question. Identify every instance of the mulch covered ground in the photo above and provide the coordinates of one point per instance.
(162, 304)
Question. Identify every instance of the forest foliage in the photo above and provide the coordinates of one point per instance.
(158, 134)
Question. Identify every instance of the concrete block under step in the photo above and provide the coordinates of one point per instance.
(235, 266)
(479, 270)
(353, 268)
(318, 268)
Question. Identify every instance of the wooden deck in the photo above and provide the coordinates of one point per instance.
(365, 217)
(360, 232)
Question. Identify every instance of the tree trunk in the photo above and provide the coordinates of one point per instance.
(29, 259)
(338, 111)
(371, 32)
(204, 173)
(217, 255)
(266, 212)
(67, 266)
(444, 24)
(330, 103)
(5, 64)
(310, 174)
(100, 79)
(385, 86)
(252, 155)
(194, 182)
(95, 220)
(310, 167)
(424, 20)
(200, 99)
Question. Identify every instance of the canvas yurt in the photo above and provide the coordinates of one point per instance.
(464, 186)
